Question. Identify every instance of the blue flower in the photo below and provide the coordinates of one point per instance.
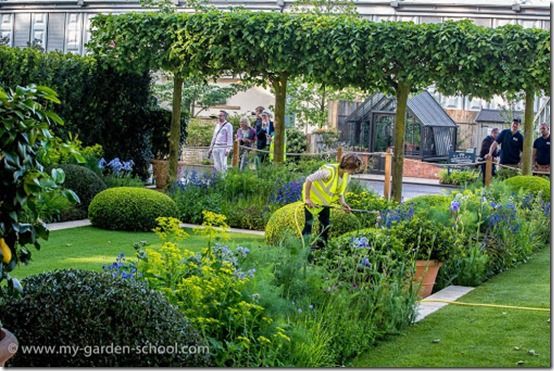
(243, 251)
(365, 262)
(455, 206)
(360, 243)
(251, 272)
(102, 163)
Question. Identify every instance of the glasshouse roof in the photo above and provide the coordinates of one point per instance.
(429, 111)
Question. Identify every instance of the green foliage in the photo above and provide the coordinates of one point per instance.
(196, 93)
(84, 182)
(504, 173)
(122, 181)
(25, 131)
(98, 104)
(530, 185)
(290, 220)
(94, 307)
(458, 177)
(424, 202)
(208, 287)
(51, 207)
(296, 141)
(370, 295)
(127, 208)
(366, 200)
(199, 133)
(424, 238)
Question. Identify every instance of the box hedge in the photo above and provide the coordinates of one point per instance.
(90, 310)
(130, 208)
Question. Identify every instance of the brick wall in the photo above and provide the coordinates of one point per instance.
(419, 169)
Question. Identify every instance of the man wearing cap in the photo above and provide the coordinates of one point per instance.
(511, 145)
(541, 149)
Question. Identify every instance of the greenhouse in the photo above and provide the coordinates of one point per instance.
(430, 132)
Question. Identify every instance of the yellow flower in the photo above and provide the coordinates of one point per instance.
(263, 340)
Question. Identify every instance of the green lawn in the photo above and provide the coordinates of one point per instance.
(91, 248)
(477, 336)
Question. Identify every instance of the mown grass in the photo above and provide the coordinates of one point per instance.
(90, 248)
(460, 336)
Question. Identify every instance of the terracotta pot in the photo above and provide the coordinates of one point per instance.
(8, 346)
(160, 170)
(426, 273)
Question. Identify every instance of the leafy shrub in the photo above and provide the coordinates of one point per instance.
(458, 177)
(369, 291)
(367, 200)
(113, 181)
(99, 104)
(296, 141)
(248, 214)
(91, 309)
(503, 173)
(209, 288)
(127, 208)
(290, 219)
(50, 206)
(423, 237)
(530, 184)
(24, 134)
(424, 202)
(199, 133)
(84, 182)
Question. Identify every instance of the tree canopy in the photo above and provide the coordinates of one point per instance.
(335, 50)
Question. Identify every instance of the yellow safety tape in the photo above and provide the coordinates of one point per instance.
(485, 305)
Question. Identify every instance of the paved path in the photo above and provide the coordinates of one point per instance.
(411, 187)
(451, 293)
(86, 222)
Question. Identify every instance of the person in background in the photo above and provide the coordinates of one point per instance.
(324, 188)
(264, 130)
(222, 142)
(511, 145)
(246, 136)
(485, 148)
(541, 149)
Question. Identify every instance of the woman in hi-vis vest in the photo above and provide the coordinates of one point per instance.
(324, 188)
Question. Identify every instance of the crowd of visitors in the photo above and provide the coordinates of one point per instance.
(510, 142)
(260, 135)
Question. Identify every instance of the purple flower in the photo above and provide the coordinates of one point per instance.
(360, 243)
(365, 263)
(455, 206)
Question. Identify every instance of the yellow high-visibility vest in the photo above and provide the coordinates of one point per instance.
(272, 148)
(326, 192)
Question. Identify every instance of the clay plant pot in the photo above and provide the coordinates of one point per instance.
(160, 170)
(8, 346)
(425, 275)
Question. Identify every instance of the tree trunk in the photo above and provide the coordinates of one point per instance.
(175, 130)
(402, 93)
(527, 161)
(280, 88)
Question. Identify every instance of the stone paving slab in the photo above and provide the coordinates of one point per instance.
(407, 180)
(68, 225)
(232, 230)
(86, 222)
(450, 293)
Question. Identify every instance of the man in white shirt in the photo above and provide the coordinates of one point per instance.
(222, 142)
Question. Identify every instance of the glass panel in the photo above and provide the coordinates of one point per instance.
(382, 137)
(413, 136)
